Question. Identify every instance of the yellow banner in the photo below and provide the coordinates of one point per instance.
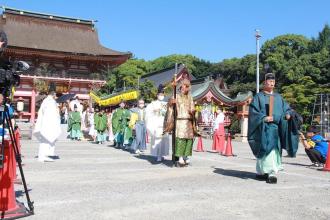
(115, 100)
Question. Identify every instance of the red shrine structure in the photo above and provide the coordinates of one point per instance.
(209, 95)
(61, 50)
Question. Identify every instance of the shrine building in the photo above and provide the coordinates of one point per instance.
(61, 50)
(209, 95)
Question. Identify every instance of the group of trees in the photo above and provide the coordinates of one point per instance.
(301, 66)
(128, 74)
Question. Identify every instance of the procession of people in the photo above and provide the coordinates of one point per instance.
(272, 128)
(165, 110)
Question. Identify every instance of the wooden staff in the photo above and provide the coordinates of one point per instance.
(271, 105)
(174, 117)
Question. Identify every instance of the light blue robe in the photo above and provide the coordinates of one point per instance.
(139, 141)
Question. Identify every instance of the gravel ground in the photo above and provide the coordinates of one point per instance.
(92, 181)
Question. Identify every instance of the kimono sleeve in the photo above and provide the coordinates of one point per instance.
(256, 126)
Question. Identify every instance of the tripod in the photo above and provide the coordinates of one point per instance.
(6, 122)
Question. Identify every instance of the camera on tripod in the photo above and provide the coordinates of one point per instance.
(9, 70)
(9, 76)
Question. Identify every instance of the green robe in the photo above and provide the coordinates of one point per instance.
(120, 121)
(74, 122)
(264, 137)
(101, 122)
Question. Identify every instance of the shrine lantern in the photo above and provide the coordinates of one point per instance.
(20, 104)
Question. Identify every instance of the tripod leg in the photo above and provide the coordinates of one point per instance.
(18, 157)
(3, 119)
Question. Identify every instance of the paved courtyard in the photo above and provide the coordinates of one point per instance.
(92, 181)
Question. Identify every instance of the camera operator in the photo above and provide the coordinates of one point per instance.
(9, 70)
(3, 41)
(4, 62)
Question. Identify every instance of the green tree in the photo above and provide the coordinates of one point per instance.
(282, 54)
(148, 91)
(238, 87)
(236, 70)
(302, 95)
(323, 40)
(320, 55)
(127, 74)
(195, 66)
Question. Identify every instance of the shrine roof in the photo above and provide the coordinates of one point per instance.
(39, 31)
(166, 75)
(201, 89)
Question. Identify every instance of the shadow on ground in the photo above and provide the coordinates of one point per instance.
(297, 164)
(236, 173)
(152, 160)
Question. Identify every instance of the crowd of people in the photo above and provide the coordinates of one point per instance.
(273, 126)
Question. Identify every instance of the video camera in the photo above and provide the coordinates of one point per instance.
(9, 71)
(9, 75)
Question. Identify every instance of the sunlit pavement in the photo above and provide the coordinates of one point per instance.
(92, 181)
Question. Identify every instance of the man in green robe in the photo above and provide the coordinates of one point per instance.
(120, 122)
(101, 122)
(74, 124)
(268, 131)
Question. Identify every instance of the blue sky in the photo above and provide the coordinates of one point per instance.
(209, 29)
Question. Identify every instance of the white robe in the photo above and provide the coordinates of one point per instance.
(218, 120)
(47, 128)
(92, 132)
(84, 122)
(160, 143)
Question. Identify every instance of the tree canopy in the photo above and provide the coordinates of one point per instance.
(301, 66)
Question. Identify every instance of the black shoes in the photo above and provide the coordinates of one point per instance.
(271, 180)
(266, 177)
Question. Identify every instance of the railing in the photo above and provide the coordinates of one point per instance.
(51, 78)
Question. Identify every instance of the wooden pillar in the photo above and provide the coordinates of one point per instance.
(33, 106)
(244, 123)
(244, 127)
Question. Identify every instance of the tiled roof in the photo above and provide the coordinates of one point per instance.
(53, 33)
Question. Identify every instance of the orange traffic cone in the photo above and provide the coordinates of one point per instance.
(18, 142)
(9, 208)
(327, 163)
(229, 148)
(200, 145)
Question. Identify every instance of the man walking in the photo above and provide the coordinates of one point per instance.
(47, 128)
(268, 131)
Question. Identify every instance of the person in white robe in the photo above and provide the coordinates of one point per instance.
(91, 132)
(85, 123)
(155, 113)
(218, 120)
(111, 136)
(47, 128)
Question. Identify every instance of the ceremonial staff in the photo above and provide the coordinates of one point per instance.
(271, 105)
(174, 115)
